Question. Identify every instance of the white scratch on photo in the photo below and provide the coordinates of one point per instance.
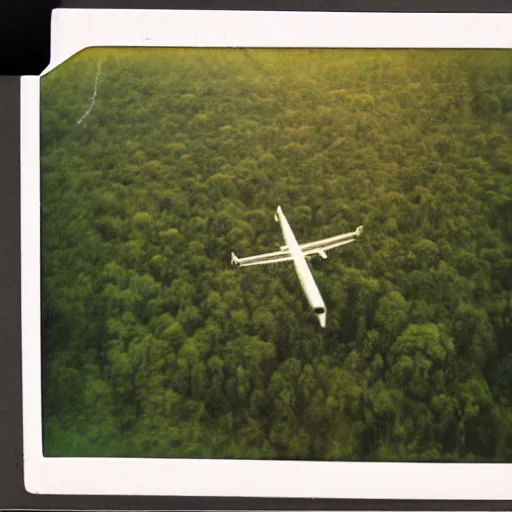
(93, 97)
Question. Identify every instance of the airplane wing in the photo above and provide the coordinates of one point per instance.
(261, 259)
(319, 247)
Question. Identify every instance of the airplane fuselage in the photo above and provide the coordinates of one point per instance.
(302, 268)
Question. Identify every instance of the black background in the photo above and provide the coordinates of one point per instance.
(25, 50)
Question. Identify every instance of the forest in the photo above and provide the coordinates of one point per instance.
(156, 163)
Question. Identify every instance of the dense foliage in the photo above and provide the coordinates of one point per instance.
(155, 346)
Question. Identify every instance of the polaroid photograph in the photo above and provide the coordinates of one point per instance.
(269, 255)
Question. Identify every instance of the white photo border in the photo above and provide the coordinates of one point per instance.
(74, 30)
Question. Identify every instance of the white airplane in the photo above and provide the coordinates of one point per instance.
(292, 251)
